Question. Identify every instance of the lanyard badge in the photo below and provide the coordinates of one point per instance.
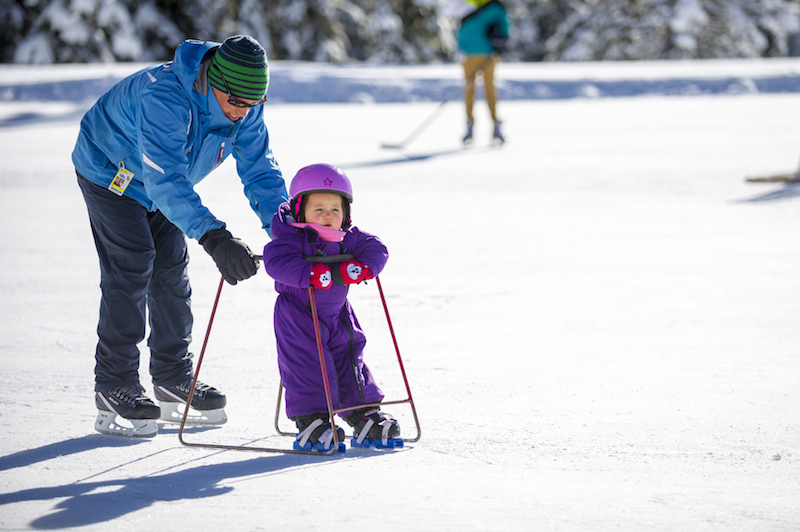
(120, 181)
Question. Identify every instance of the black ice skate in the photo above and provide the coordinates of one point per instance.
(372, 427)
(468, 136)
(316, 434)
(497, 134)
(126, 411)
(207, 407)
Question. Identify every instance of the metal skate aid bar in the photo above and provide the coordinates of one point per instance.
(334, 447)
(409, 400)
(331, 411)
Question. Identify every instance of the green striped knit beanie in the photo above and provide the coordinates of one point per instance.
(243, 64)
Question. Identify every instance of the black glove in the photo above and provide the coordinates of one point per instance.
(499, 42)
(234, 259)
(500, 45)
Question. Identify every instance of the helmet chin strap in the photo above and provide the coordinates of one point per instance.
(295, 205)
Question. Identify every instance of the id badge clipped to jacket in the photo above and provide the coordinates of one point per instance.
(120, 181)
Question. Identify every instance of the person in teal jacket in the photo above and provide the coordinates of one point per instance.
(140, 151)
(482, 37)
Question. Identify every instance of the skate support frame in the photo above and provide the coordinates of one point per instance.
(331, 411)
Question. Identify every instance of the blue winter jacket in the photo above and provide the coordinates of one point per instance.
(473, 35)
(165, 125)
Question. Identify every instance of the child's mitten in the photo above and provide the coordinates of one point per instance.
(354, 271)
(321, 276)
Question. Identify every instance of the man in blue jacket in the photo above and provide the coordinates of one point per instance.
(482, 36)
(141, 150)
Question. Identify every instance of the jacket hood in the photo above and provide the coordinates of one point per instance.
(187, 65)
(281, 220)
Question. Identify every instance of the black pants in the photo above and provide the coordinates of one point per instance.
(143, 266)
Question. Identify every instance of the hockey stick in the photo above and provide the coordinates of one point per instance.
(793, 177)
(419, 129)
(438, 110)
(787, 178)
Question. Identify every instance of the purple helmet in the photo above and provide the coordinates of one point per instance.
(320, 178)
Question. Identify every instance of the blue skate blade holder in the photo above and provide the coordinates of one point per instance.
(317, 447)
(391, 443)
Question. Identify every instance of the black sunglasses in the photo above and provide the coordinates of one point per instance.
(237, 103)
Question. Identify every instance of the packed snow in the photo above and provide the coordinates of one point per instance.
(598, 320)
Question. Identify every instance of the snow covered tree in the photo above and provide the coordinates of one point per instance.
(14, 23)
(66, 31)
(732, 28)
(670, 29)
(422, 29)
(159, 35)
(611, 29)
(405, 31)
(252, 20)
(308, 30)
(396, 31)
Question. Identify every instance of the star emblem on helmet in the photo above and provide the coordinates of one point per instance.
(328, 182)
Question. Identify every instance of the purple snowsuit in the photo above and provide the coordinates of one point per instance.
(350, 380)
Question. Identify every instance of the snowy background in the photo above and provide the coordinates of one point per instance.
(397, 31)
(599, 320)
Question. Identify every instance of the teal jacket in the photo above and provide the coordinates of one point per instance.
(473, 35)
(165, 126)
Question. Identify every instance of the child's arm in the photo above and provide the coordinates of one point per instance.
(284, 262)
(369, 259)
(370, 250)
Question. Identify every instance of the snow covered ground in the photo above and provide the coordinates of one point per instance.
(599, 320)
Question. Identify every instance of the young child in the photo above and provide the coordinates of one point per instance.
(316, 223)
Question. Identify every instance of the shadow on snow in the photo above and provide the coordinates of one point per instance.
(89, 501)
(788, 191)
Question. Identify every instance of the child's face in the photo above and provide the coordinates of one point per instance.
(325, 208)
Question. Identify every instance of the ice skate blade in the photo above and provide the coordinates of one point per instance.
(317, 447)
(391, 443)
(173, 413)
(113, 425)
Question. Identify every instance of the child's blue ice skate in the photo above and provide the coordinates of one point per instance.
(372, 428)
(315, 434)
